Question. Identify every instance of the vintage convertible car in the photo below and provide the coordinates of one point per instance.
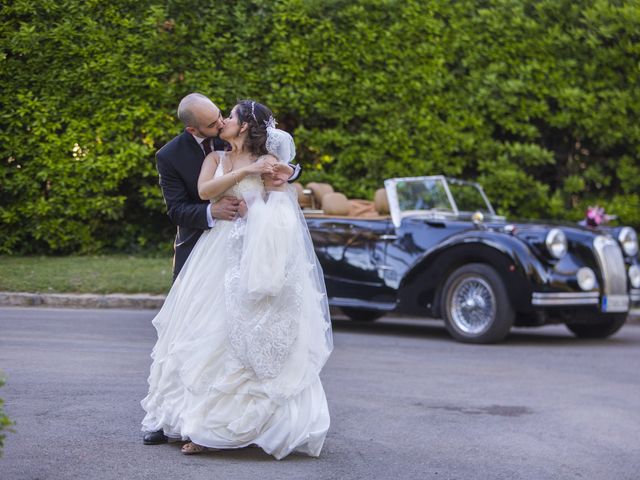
(433, 246)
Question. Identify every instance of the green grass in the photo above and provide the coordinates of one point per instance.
(85, 274)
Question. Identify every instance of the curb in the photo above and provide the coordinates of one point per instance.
(81, 300)
(116, 300)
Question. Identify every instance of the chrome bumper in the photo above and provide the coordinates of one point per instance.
(562, 299)
(608, 303)
(615, 296)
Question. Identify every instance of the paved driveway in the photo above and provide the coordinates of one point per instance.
(406, 402)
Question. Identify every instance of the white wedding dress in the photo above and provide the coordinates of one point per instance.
(243, 335)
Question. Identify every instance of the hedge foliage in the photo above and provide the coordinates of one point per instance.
(5, 422)
(537, 99)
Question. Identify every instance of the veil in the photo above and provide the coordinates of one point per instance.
(279, 286)
(280, 144)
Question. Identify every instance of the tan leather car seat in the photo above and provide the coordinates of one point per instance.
(319, 190)
(381, 202)
(303, 200)
(362, 208)
(335, 204)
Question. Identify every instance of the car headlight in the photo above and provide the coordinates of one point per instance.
(634, 276)
(629, 241)
(556, 242)
(586, 278)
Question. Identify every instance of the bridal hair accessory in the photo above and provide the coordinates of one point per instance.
(271, 123)
(253, 111)
(279, 143)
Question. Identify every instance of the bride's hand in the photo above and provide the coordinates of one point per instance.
(262, 166)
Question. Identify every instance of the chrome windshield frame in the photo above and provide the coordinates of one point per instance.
(480, 189)
(394, 205)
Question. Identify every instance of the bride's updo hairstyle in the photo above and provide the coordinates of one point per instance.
(256, 115)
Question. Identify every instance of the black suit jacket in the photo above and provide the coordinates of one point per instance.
(179, 163)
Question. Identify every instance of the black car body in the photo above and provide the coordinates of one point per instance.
(441, 251)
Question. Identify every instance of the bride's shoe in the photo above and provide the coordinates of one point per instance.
(192, 448)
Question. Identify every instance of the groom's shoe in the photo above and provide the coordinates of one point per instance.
(155, 438)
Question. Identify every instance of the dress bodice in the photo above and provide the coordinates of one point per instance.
(250, 183)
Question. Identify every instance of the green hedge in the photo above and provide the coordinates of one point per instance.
(5, 422)
(539, 100)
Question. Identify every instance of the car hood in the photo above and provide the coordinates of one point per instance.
(535, 232)
(529, 231)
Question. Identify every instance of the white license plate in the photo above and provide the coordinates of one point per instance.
(615, 303)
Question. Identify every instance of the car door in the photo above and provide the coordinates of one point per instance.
(352, 253)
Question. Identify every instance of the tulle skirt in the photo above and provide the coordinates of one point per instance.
(220, 377)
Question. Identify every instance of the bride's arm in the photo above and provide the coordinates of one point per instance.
(210, 187)
(208, 170)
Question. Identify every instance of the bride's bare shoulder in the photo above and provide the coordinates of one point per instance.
(211, 160)
(213, 157)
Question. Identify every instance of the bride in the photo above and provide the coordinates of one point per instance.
(245, 328)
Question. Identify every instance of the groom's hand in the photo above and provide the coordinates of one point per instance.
(242, 208)
(225, 208)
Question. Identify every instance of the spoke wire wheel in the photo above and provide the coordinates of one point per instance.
(475, 304)
(472, 305)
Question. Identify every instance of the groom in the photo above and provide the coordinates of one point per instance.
(179, 163)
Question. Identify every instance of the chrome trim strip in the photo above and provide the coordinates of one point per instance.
(566, 295)
(542, 299)
(348, 302)
(568, 302)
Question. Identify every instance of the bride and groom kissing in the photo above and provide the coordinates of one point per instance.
(245, 328)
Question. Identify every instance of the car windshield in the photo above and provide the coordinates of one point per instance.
(468, 197)
(440, 194)
(437, 196)
(422, 194)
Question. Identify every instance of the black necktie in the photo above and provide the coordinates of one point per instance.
(206, 144)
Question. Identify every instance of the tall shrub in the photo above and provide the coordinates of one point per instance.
(539, 100)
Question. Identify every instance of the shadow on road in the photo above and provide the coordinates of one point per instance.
(556, 335)
(395, 326)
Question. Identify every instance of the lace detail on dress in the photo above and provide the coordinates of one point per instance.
(250, 183)
(262, 327)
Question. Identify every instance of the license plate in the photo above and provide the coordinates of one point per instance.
(615, 303)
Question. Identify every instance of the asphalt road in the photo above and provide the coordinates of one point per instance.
(406, 402)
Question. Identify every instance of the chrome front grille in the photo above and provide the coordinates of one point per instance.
(611, 262)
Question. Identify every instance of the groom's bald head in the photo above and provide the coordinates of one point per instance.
(200, 115)
(191, 106)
